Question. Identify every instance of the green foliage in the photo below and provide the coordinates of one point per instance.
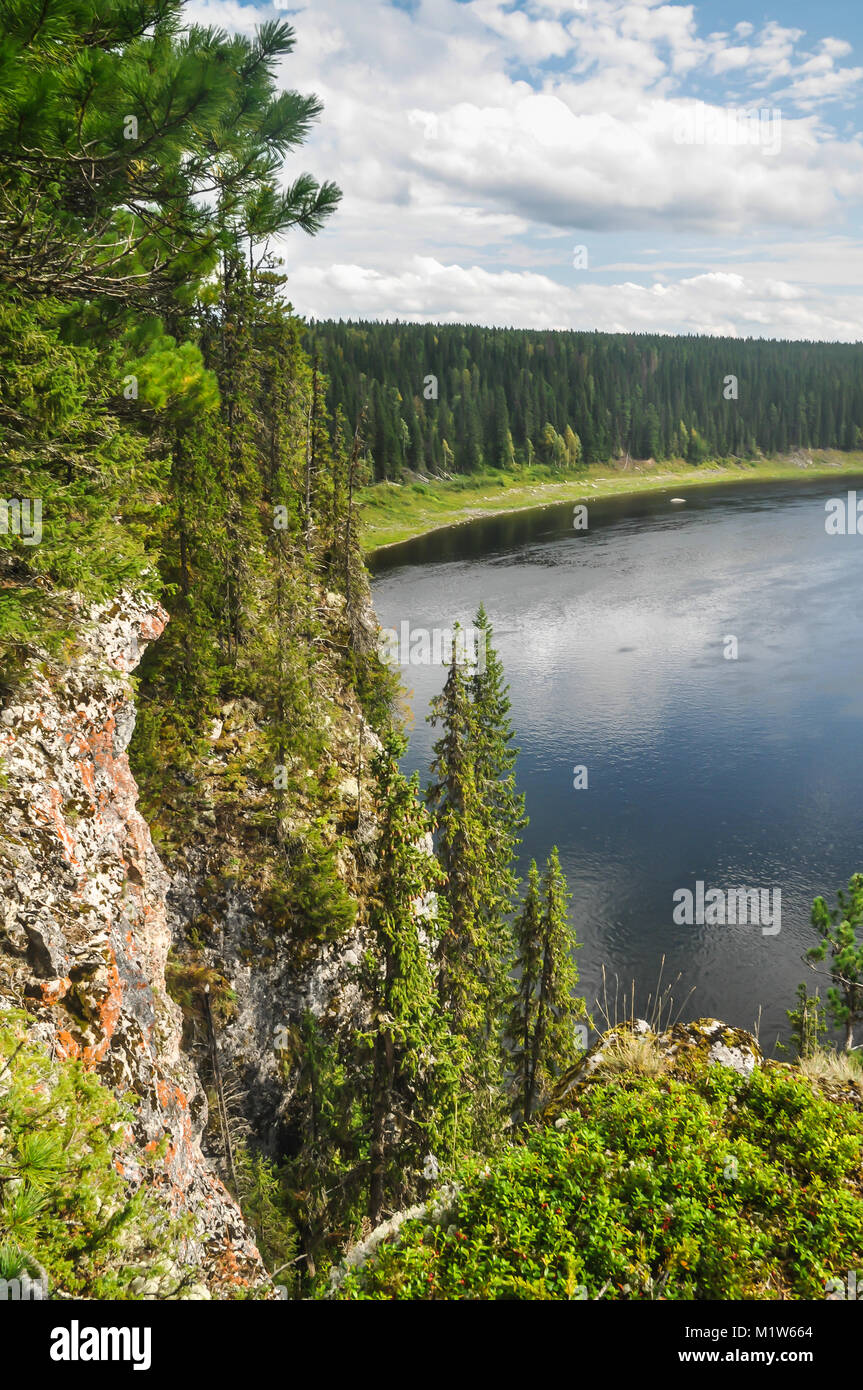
(544, 1005)
(64, 1207)
(808, 1022)
(265, 1205)
(841, 931)
(118, 205)
(471, 965)
(494, 761)
(478, 817)
(414, 1062)
(325, 1172)
(311, 900)
(187, 982)
(66, 451)
(719, 1188)
(137, 158)
(567, 399)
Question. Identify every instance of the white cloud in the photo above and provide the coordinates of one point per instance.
(449, 157)
(225, 14)
(716, 302)
(819, 81)
(570, 164)
(536, 39)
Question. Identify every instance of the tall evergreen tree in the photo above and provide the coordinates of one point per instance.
(494, 760)
(469, 957)
(544, 1007)
(415, 1062)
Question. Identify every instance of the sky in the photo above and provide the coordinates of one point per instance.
(621, 165)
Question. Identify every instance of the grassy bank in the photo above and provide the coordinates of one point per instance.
(394, 512)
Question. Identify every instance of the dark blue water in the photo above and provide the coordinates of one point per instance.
(732, 772)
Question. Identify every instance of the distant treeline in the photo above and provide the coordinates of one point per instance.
(454, 398)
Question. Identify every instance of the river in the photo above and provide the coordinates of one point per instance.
(701, 765)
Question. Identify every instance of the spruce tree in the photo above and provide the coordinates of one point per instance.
(415, 1062)
(544, 1005)
(528, 942)
(469, 957)
(494, 760)
(455, 802)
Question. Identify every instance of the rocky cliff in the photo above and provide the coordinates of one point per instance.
(84, 935)
(238, 852)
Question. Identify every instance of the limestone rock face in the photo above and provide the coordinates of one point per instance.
(84, 934)
(273, 987)
(276, 981)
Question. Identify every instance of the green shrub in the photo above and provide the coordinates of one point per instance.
(265, 1202)
(716, 1189)
(65, 1209)
(312, 900)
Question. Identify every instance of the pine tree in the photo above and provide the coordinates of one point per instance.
(841, 931)
(115, 125)
(544, 1007)
(494, 760)
(415, 1063)
(528, 962)
(469, 958)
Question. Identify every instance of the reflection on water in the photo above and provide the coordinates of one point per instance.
(699, 767)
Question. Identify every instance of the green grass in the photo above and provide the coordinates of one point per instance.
(714, 1188)
(393, 512)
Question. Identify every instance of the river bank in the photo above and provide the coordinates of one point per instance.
(395, 512)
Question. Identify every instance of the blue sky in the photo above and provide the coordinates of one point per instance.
(625, 165)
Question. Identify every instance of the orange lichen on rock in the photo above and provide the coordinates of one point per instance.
(66, 1046)
(51, 815)
(54, 990)
(91, 963)
(109, 1012)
